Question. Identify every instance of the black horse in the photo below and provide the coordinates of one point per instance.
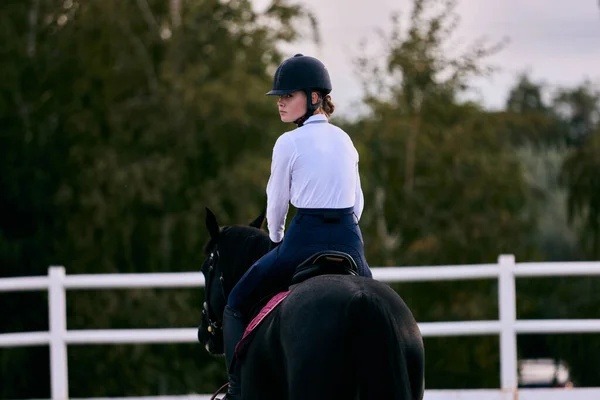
(334, 337)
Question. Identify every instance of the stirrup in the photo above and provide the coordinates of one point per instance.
(214, 396)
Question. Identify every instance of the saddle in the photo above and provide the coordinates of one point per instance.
(327, 262)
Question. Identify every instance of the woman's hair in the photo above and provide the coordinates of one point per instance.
(327, 105)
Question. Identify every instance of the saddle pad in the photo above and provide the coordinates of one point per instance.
(266, 310)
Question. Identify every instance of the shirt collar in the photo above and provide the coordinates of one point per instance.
(316, 117)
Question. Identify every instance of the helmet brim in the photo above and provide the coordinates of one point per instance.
(280, 92)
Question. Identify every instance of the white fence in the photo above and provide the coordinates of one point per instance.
(507, 327)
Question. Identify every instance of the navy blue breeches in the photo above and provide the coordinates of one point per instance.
(310, 231)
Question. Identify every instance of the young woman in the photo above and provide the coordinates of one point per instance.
(315, 167)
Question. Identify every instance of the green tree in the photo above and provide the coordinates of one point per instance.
(529, 119)
(442, 183)
(526, 96)
(580, 110)
(539, 138)
(120, 122)
(419, 142)
(552, 141)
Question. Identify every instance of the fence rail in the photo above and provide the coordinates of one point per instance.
(507, 326)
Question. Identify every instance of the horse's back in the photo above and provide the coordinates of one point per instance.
(345, 337)
(331, 299)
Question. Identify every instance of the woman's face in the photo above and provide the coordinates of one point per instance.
(292, 106)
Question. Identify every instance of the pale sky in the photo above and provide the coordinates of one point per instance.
(558, 41)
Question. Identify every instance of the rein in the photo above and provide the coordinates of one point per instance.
(214, 396)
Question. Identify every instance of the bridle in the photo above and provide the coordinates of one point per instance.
(215, 326)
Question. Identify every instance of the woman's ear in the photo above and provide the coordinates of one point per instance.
(314, 97)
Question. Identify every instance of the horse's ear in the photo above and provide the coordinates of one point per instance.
(211, 224)
(259, 221)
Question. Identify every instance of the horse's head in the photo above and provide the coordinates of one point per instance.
(230, 251)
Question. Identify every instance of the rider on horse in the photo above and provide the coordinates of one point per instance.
(315, 167)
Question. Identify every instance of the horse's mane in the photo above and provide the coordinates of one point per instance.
(239, 247)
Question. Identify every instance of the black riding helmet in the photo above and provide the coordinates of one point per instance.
(302, 73)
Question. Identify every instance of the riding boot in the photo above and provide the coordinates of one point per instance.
(233, 330)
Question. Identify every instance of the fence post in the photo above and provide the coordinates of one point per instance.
(507, 303)
(58, 327)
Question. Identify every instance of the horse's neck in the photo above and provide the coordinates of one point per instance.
(246, 261)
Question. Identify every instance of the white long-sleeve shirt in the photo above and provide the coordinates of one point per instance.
(313, 166)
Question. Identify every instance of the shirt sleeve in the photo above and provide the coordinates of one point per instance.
(359, 201)
(278, 187)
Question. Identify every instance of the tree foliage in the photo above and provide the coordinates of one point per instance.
(444, 185)
(122, 120)
(441, 175)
